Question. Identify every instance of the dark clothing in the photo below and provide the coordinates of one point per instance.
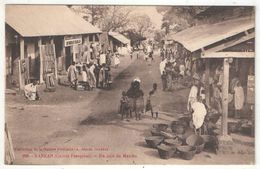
(96, 72)
(164, 82)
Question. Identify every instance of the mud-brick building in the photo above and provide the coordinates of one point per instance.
(43, 38)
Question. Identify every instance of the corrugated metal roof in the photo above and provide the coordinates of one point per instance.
(197, 37)
(46, 20)
(119, 37)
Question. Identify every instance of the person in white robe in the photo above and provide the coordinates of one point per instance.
(199, 113)
(30, 91)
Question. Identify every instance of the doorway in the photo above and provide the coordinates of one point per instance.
(68, 57)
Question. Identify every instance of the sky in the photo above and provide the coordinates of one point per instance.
(156, 17)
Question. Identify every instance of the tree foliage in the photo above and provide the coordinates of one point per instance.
(142, 24)
(179, 17)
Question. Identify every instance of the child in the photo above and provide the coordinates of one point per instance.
(124, 105)
(150, 104)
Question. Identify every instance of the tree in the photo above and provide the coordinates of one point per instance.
(180, 17)
(91, 13)
(135, 37)
(116, 19)
(141, 23)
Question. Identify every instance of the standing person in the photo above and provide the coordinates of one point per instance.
(135, 95)
(102, 75)
(124, 106)
(92, 77)
(188, 66)
(216, 97)
(182, 69)
(102, 58)
(163, 74)
(198, 115)
(109, 56)
(162, 53)
(193, 95)
(106, 75)
(239, 98)
(151, 102)
(72, 75)
(97, 68)
(85, 78)
(116, 59)
(150, 53)
(30, 91)
(169, 75)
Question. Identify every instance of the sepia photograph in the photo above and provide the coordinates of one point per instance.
(129, 84)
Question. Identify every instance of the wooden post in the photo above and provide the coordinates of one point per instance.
(41, 60)
(87, 39)
(98, 36)
(207, 87)
(64, 55)
(94, 37)
(21, 75)
(224, 126)
(111, 45)
(55, 61)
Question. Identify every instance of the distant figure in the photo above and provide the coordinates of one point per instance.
(30, 91)
(169, 75)
(239, 98)
(86, 77)
(102, 58)
(163, 73)
(91, 74)
(72, 75)
(116, 59)
(96, 71)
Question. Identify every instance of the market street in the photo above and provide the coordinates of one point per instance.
(88, 122)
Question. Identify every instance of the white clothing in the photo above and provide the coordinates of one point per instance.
(192, 96)
(102, 59)
(162, 66)
(199, 114)
(84, 76)
(239, 97)
(182, 70)
(124, 51)
(91, 69)
(30, 91)
(221, 78)
(149, 49)
(117, 61)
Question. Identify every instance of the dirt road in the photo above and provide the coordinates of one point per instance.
(72, 127)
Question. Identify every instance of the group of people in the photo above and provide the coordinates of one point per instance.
(133, 101)
(92, 75)
(197, 97)
(95, 71)
(171, 70)
(148, 51)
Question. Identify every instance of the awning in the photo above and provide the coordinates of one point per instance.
(198, 37)
(46, 20)
(119, 37)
